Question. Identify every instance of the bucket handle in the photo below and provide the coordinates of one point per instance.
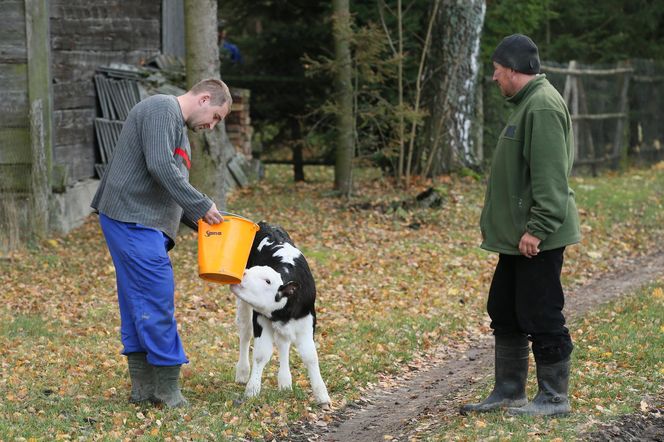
(223, 213)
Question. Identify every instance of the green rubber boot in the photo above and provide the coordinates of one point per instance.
(142, 378)
(167, 389)
(551, 398)
(511, 373)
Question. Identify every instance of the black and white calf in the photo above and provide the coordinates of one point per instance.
(276, 301)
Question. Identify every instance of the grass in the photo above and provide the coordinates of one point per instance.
(617, 363)
(387, 293)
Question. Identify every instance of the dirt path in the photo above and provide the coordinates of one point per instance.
(398, 410)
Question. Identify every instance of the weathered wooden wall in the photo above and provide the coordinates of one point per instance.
(14, 108)
(86, 34)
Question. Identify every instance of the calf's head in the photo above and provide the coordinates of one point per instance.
(263, 289)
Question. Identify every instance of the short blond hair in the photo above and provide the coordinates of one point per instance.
(219, 92)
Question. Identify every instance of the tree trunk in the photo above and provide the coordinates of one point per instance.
(452, 74)
(211, 151)
(298, 155)
(344, 98)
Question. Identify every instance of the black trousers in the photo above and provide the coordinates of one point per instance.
(526, 298)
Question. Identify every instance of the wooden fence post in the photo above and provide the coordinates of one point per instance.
(577, 101)
(619, 136)
(39, 173)
(39, 96)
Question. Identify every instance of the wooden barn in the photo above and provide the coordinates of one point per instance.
(49, 52)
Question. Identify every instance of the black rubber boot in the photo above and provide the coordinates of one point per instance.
(142, 378)
(551, 398)
(511, 372)
(167, 389)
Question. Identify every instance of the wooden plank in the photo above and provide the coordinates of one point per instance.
(74, 95)
(647, 79)
(589, 161)
(14, 109)
(234, 165)
(618, 115)
(79, 160)
(12, 32)
(13, 52)
(40, 173)
(14, 95)
(76, 9)
(574, 108)
(103, 26)
(14, 115)
(39, 87)
(74, 147)
(12, 36)
(81, 65)
(106, 35)
(583, 102)
(568, 84)
(74, 126)
(12, 20)
(13, 77)
(108, 42)
(15, 142)
(576, 71)
(15, 177)
(619, 134)
(172, 23)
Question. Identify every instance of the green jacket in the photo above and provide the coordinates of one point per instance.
(528, 187)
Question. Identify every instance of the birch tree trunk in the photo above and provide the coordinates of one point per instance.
(452, 75)
(212, 150)
(344, 98)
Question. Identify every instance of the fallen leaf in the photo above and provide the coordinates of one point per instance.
(658, 293)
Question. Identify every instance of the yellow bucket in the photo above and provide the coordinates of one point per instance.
(223, 249)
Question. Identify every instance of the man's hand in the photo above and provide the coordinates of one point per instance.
(213, 216)
(529, 245)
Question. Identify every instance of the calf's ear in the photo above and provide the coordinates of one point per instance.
(289, 288)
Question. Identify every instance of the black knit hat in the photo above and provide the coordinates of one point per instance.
(518, 52)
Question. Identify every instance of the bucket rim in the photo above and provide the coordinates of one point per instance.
(236, 216)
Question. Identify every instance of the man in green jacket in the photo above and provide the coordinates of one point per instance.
(529, 217)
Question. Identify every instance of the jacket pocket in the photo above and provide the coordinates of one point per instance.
(520, 209)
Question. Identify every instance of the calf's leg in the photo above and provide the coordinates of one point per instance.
(284, 377)
(262, 355)
(245, 328)
(307, 349)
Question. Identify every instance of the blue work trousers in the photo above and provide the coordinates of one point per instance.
(146, 291)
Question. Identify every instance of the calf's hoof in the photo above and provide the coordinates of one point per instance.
(252, 390)
(242, 374)
(285, 383)
(323, 401)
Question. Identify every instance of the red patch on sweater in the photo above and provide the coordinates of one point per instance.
(183, 154)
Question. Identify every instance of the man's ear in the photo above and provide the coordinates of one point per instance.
(204, 98)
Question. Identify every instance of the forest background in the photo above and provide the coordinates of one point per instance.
(289, 64)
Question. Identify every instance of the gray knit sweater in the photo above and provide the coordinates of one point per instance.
(147, 179)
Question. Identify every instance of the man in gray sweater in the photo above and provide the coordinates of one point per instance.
(142, 198)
